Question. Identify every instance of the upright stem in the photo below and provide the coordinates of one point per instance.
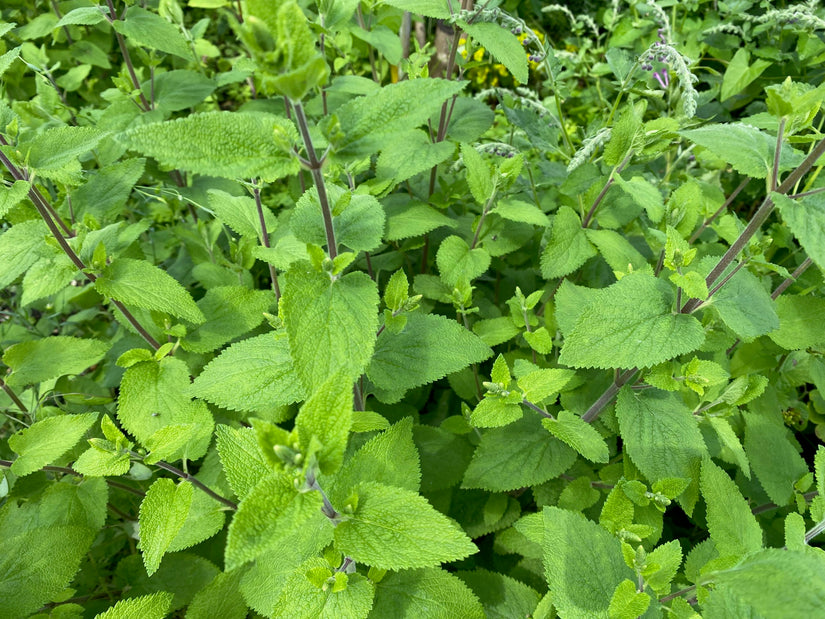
(777, 153)
(481, 220)
(13, 396)
(608, 395)
(719, 211)
(273, 273)
(315, 166)
(603, 192)
(790, 280)
(126, 57)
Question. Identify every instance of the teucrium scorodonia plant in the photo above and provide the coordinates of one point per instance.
(305, 318)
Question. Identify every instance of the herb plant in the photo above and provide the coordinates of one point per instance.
(517, 313)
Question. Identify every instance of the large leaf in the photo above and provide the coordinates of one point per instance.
(568, 247)
(225, 144)
(148, 29)
(631, 325)
(733, 528)
(19, 248)
(47, 440)
(806, 219)
(230, 311)
(428, 348)
(425, 592)
(331, 324)
(503, 45)
(50, 357)
(162, 514)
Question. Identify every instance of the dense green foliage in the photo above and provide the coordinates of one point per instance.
(517, 314)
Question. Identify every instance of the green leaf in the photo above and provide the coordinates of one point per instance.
(390, 458)
(105, 192)
(83, 16)
(99, 462)
(410, 218)
(579, 434)
(740, 73)
(806, 219)
(733, 528)
(456, 261)
(154, 395)
(240, 213)
(627, 602)
(13, 195)
(54, 149)
(624, 136)
(187, 437)
(799, 320)
(749, 150)
(162, 514)
(583, 564)
(20, 248)
(773, 458)
(518, 210)
(326, 417)
(429, 348)
(230, 311)
(539, 385)
(153, 606)
(47, 440)
(479, 174)
(503, 45)
(179, 89)
(139, 283)
(662, 565)
(8, 58)
(40, 360)
(367, 123)
(503, 597)
(182, 574)
(271, 512)
(568, 247)
(517, 456)
(767, 584)
(662, 438)
(728, 438)
(617, 251)
(38, 564)
(444, 455)
(393, 528)
(220, 598)
(241, 459)
(359, 226)
(142, 27)
(427, 8)
(403, 159)
(425, 592)
(204, 519)
(331, 324)
(301, 597)
(384, 40)
(632, 325)
(254, 375)
(224, 144)
(645, 194)
(495, 411)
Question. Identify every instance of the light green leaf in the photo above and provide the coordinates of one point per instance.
(8, 58)
(518, 210)
(139, 283)
(198, 571)
(663, 564)
(142, 27)
(617, 251)
(800, 318)
(624, 136)
(495, 411)
(632, 325)
(331, 324)
(187, 437)
(749, 150)
(429, 348)
(392, 528)
(503, 45)
(58, 147)
(410, 218)
(728, 438)
(390, 458)
(204, 519)
(579, 434)
(224, 144)
(254, 375)
(36, 361)
(241, 459)
(152, 606)
(107, 189)
(662, 438)
(645, 194)
(240, 213)
(733, 528)
(179, 89)
(12, 195)
(773, 458)
(456, 261)
(301, 597)
(627, 602)
(516, 456)
(384, 40)
(427, 8)
(162, 514)
(271, 512)
(806, 219)
(425, 592)
(367, 123)
(326, 417)
(47, 440)
(403, 159)
(479, 174)
(503, 597)
(99, 462)
(568, 248)
(583, 564)
(221, 598)
(359, 226)
(767, 584)
(230, 311)
(19, 248)
(740, 73)
(541, 384)
(83, 16)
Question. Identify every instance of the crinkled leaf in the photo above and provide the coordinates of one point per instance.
(162, 514)
(47, 440)
(580, 435)
(568, 247)
(36, 361)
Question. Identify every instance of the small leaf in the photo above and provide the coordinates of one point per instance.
(733, 528)
(568, 248)
(456, 261)
(627, 602)
(162, 514)
(503, 45)
(579, 434)
(47, 440)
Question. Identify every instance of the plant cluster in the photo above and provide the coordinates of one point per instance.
(292, 328)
